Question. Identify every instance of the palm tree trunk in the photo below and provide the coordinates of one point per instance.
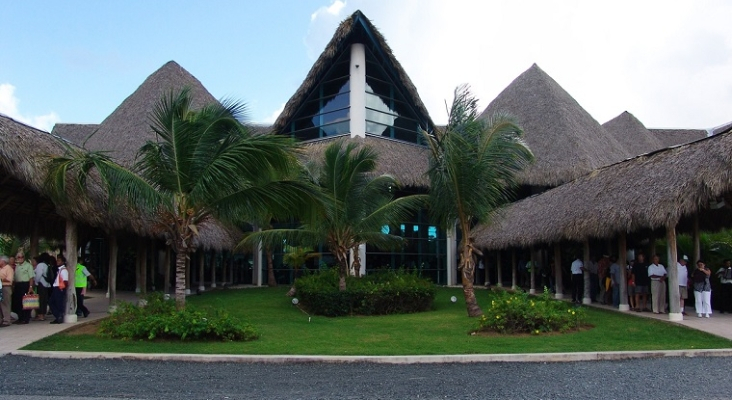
(271, 281)
(180, 278)
(342, 257)
(468, 274)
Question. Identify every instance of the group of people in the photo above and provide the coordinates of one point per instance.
(47, 277)
(648, 282)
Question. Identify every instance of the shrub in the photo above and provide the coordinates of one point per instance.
(159, 319)
(520, 313)
(381, 293)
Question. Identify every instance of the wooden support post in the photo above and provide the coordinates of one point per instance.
(673, 275)
(623, 262)
(137, 267)
(587, 298)
(143, 266)
(71, 261)
(513, 269)
(558, 283)
(154, 260)
(213, 269)
(532, 271)
(201, 266)
(499, 274)
(112, 282)
(697, 245)
(166, 273)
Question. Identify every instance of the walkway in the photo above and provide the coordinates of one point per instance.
(719, 324)
(15, 337)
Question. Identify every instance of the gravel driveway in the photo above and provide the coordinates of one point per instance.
(661, 378)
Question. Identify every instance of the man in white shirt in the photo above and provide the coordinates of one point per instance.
(657, 273)
(683, 274)
(578, 281)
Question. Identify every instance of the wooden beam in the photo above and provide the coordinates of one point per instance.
(587, 297)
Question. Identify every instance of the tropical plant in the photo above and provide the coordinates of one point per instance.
(354, 206)
(473, 167)
(204, 165)
(295, 257)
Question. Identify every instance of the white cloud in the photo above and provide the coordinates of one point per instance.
(9, 106)
(323, 23)
(273, 117)
(667, 62)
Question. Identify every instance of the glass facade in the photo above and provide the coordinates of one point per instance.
(425, 250)
(388, 113)
(326, 112)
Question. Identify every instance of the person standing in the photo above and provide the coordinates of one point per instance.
(683, 274)
(6, 277)
(593, 267)
(23, 284)
(615, 276)
(578, 280)
(702, 289)
(42, 285)
(58, 296)
(640, 277)
(725, 278)
(657, 273)
(80, 281)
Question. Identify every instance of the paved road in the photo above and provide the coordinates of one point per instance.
(665, 378)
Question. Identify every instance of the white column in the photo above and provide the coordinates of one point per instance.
(587, 298)
(623, 261)
(358, 90)
(451, 256)
(558, 284)
(362, 256)
(201, 270)
(213, 269)
(258, 264)
(71, 261)
(673, 276)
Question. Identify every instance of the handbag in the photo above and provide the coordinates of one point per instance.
(31, 301)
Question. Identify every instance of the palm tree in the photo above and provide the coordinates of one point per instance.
(204, 165)
(354, 206)
(473, 166)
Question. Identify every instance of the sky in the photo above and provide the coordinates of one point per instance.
(667, 62)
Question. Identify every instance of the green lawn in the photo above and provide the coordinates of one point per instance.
(285, 329)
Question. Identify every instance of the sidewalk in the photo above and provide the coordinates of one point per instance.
(719, 324)
(15, 337)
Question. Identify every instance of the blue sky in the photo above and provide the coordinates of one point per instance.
(667, 62)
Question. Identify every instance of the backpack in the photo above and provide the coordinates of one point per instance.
(50, 274)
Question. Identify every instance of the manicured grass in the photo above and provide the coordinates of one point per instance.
(285, 329)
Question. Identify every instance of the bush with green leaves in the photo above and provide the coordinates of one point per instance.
(160, 319)
(520, 313)
(379, 293)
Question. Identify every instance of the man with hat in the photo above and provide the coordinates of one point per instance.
(683, 274)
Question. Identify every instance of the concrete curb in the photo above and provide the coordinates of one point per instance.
(297, 359)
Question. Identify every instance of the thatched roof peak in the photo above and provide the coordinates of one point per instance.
(632, 134)
(74, 133)
(125, 130)
(354, 29)
(567, 142)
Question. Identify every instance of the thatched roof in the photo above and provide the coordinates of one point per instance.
(566, 141)
(408, 163)
(125, 130)
(354, 29)
(674, 137)
(632, 134)
(648, 191)
(23, 152)
(75, 133)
